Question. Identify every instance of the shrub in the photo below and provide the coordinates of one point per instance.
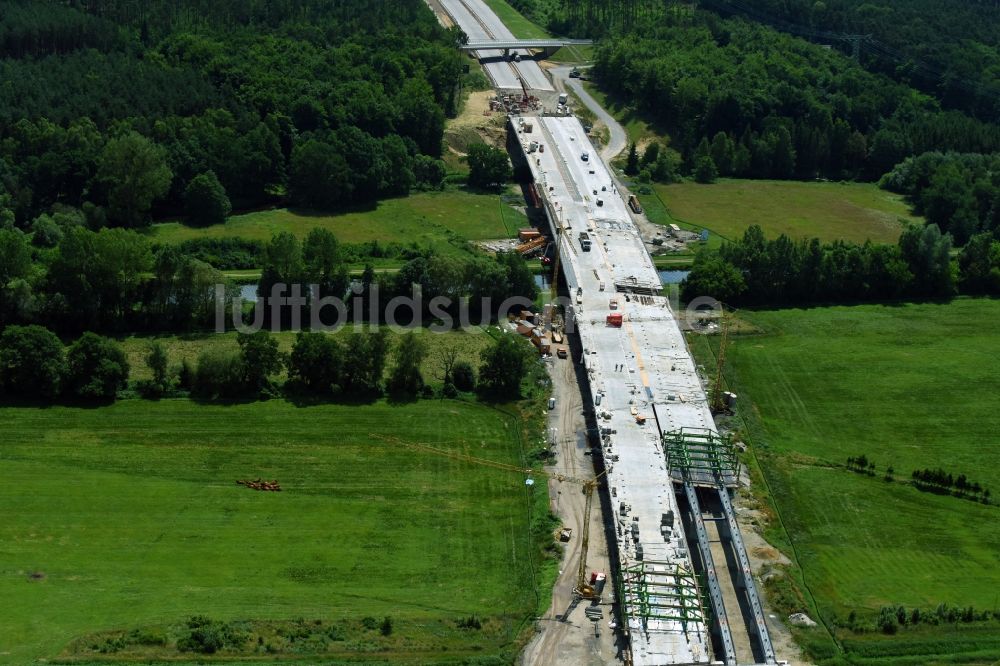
(225, 253)
(463, 376)
(98, 368)
(186, 375)
(32, 364)
(219, 374)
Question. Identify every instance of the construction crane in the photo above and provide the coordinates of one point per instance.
(524, 87)
(583, 587)
(718, 402)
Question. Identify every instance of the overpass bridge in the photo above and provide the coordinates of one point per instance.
(507, 45)
(669, 472)
(485, 31)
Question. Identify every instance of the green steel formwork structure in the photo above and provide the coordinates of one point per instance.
(702, 456)
(651, 590)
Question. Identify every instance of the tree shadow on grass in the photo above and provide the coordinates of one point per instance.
(895, 303)
(303, 398)
(365, 207)
(48, 403)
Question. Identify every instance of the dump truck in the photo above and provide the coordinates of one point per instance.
(585, 241)
(633, 203)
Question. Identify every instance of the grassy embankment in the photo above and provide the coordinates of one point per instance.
(519, 26)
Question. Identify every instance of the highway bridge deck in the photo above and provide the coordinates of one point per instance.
(645, 384)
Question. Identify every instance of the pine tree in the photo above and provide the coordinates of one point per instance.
(632, 163)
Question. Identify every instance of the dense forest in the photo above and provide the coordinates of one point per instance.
(946, 48)
(764, 104)
(116, 107)
(958, 192)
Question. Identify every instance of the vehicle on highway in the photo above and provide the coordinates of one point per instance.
(585, 156)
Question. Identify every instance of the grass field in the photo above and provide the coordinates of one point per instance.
(829, 211)
(910, 386)
(518, 25)
(426, 218)
(128, 515)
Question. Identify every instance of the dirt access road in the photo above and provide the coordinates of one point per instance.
(619, 140)
(566, 635)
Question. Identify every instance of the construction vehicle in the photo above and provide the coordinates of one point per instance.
(633, 203)
(584, 588)
(615, 319)
(527, 96)
(532, 246)
(574, 73)
(585, 241)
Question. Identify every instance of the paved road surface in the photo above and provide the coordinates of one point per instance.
(479, 22)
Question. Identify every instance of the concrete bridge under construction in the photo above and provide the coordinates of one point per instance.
(669, 471)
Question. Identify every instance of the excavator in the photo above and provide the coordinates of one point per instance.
(584, 589)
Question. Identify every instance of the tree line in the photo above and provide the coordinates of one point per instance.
(937, 480)
(115, 280)
(890, 619)
(757, 103)
(754, 270)
(133, 110)
(483, 282)
(35, 366)
(929, 480)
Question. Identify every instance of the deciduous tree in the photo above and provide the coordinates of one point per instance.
(97, 367)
